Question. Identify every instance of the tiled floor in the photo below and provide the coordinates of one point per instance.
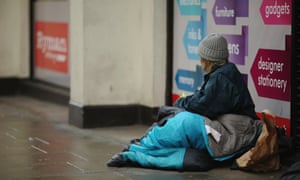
(37, 142)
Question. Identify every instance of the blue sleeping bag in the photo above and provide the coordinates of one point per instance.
(166, 146)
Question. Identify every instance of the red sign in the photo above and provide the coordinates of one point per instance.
(280, 122)
(51, 46)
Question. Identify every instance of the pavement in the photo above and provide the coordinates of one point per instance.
(38, 143)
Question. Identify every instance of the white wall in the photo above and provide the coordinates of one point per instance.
(118, 52)
(76, 52)
(14, 35)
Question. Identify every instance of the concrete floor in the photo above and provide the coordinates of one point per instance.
(37, 142)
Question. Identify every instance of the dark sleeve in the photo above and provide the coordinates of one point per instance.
(219, 96)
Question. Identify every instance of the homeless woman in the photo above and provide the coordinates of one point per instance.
(215, 124)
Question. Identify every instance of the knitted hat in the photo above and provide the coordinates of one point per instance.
(214, 48)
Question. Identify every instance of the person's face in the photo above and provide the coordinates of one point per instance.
(204, 65)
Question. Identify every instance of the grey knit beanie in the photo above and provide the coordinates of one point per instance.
(214, 48)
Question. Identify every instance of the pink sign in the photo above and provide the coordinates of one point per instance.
(276, 11)
(271, 72)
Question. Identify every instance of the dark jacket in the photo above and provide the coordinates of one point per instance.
(223, 91)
